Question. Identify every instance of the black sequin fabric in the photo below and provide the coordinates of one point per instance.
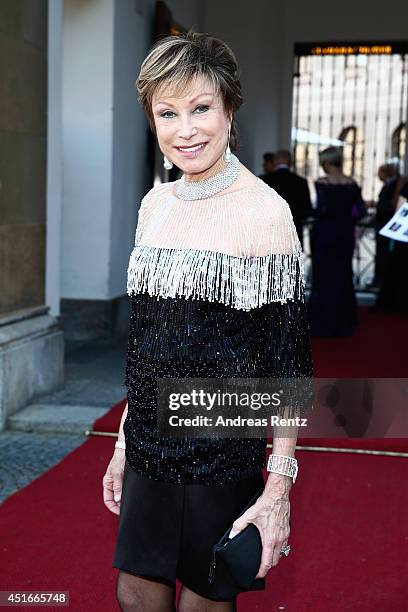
(196, 338)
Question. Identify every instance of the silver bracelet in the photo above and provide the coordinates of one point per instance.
(282, 464)
(120, 445)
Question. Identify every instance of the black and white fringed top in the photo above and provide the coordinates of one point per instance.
(216, 289)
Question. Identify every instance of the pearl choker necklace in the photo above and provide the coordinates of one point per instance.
(197, 190)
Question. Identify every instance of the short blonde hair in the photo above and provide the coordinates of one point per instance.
(177, 60)
(332, 155)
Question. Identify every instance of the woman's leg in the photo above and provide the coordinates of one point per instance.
(136, 593)
(192, 602)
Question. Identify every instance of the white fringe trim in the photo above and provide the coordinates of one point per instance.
(241, 282)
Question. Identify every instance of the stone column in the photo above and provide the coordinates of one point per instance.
(31, 341)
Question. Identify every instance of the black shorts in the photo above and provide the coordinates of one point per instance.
(166, 531)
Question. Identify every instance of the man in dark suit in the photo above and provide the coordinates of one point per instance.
(393, 295)
(268, 166)
(387, 200)
(292, 187)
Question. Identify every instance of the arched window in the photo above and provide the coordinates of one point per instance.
(353, 153)
(301, 159)
(398, 142)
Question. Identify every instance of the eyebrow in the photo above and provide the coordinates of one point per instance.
(164, 101)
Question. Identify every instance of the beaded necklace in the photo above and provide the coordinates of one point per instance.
(198, 190)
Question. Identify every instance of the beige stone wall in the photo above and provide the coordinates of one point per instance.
(23, 122)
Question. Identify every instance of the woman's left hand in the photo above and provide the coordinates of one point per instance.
(270, 513)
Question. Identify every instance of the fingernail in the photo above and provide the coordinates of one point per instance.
(116, 498)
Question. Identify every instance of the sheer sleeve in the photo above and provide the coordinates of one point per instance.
(146, 211)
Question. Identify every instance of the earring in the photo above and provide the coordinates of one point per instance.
(227, 154)
(167, 163)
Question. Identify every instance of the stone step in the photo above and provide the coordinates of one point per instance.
(56, 418)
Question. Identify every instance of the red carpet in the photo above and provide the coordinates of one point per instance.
(377, 349)
(349, 535)
(349, 520)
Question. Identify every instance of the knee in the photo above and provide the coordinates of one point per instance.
(136, 593)
(126, 596)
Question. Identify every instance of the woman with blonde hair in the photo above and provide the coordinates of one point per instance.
(216, 289)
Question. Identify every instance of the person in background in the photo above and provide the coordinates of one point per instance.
(389, 175)
(393, 295)
(268, 166)
(292, 188)
(339, 205)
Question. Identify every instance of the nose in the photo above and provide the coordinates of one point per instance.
(186, 128)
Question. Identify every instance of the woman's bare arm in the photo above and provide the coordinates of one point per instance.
(121, 436)
(113, 478)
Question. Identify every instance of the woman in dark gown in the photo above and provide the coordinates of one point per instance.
(332, 304)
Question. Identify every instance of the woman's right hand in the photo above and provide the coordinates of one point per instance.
(112, 481)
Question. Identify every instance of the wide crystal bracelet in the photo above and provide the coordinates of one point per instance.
(120, 445)
(282, 464)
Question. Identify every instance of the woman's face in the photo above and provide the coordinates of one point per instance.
(192, 128)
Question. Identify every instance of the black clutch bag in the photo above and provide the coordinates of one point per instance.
(236, 560)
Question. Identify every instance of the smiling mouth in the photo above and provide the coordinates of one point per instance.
(192, 149)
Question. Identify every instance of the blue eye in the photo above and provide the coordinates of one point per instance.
(204, 106)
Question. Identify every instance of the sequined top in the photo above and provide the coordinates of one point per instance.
(216, 289)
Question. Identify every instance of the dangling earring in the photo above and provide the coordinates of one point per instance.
(167, 163)
(227, 154)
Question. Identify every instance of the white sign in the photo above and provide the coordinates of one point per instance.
(397, 227)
